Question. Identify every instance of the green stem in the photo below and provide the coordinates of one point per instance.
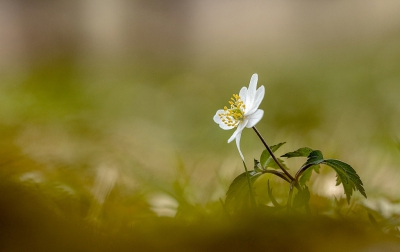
(289, 203)
(279, 174)
(302, 169)
(272, 154)
(252, 199)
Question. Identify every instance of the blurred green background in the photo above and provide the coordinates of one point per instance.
(106, 106)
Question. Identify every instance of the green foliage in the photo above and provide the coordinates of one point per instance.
(314, 158)
(346, 175)
(305, 177)
(257, 166)
(267, 161)
(301, 198)
(271, 196)
(238, 195)
(302, 152)
(306, 152)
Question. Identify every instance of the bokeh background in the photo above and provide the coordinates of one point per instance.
(106, 106)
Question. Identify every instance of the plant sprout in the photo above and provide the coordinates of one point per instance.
(244, 113)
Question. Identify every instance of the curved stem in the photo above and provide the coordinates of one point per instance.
(279, 174)
(272, 155)
(301, 170)
(252, 199)
(289, 203)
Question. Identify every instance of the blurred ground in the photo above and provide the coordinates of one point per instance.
(106, 106)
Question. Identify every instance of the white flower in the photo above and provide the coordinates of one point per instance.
(244, 112)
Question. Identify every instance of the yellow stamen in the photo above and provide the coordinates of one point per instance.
(234, 115)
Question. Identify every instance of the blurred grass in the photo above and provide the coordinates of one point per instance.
(64, 121)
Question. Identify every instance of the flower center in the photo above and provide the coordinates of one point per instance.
(234, 115)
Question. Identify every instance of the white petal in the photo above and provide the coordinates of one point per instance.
(216, 118)
(253, 82)
(254, 118)
(238, 144)
(225, 127)
(243, 94)
(258, 99)
(234, 135)
(251, 92)
(238, 130)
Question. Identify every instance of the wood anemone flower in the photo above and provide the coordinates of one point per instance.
(243, 111)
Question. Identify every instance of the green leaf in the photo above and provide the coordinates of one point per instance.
(273, 200)
(314, 158)
(272, 164)
(267, 161)
(265, 154)
(305, 177)
(302, 152)
(346, 176)
(238, 195)
(276, 146)
(257, 166)
(301, 198)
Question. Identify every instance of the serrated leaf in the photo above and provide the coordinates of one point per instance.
(265, 154)
(238, 195)
(302, 152)
(256, 162)
(305, 177)
(272, 164)
(315, 157)
(338, 180)
(267, 161)
(301, 198)
(346, 176)
(276, 146)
